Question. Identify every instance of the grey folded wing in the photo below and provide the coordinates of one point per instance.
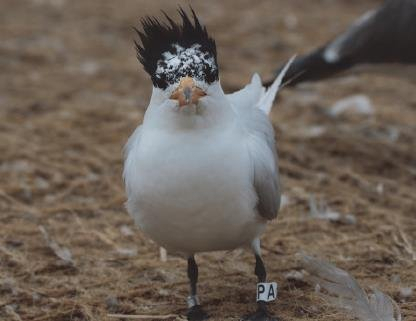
(264, 158)
(267, 188)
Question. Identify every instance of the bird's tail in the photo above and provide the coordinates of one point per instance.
(266, 101)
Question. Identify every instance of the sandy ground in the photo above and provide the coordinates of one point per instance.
(71, 92)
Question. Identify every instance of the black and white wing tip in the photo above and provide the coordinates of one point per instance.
(384, 35)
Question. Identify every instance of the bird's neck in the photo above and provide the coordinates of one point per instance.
(212, 114)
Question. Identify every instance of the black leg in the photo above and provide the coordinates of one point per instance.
(195, 312)
(192, 274)
(260, 270)
(262, 313)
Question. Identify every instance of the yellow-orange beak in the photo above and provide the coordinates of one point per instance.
(187, 92)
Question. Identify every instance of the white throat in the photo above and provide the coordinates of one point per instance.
(211, 112)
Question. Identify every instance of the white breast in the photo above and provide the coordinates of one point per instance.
(192, 191)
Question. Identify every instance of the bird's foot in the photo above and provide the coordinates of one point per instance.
(196, 313)
(262, 314)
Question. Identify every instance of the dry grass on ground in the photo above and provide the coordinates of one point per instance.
(71, 92)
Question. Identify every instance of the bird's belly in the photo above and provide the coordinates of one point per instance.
(215, 227)
(196, 198)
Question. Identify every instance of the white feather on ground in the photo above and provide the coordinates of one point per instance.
(359, 104)
(345, 293)
(61, 252)
(320, 210)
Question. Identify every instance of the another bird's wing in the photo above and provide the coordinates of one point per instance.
(386, 34)
(383, 35)
(252, 104)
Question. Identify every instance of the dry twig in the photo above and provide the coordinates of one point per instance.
(145, 316)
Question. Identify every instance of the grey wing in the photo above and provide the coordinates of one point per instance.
(252, 104)
(267, 187)
(264, 158)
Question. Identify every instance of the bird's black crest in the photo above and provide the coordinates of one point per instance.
(169, 51)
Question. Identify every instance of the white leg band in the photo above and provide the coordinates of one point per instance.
(266, 291)
(192, 300)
